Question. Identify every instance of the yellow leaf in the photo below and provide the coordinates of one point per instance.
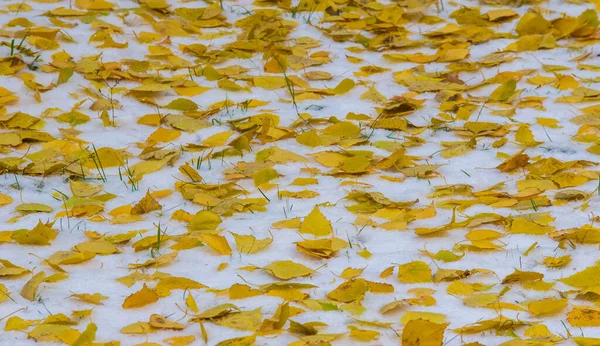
(152, 87)
(525, 137)
(137, 328)
(557, 262)
(264, 176)
(316, 224)
(73, 118)
(182, 104)
(217, 243)
(582, 341)
(190, 302)
(146, 205)
(155, 262)
(532, 23)
(99, 247)
(41, 234)
(191, 91)
(270, 82)
(95, 298)
(584, 316)
(278, 155)
(64, 75)
(344, 86)
(94, 4)
(164, 135)
(423, 333)
(305, 181)
(217, 311)
(363, 335)
(8, 269)
(287, 270)
(241, 341)
(248, 244)
(181, 340)
(54, 333)
(160, 322)
(318, 75)
(356, 164)
(4, 294)
(414, 272)
(548, 122)
(87, 337)
(230, 85)
(522, 226)
(84, 189)
(290, 223)
(504, 91)
(244, 320)
(204, 220)
(351, 273)
(547, 306)
(321, 248)
(522, 277)
(33, 208)
(217, 139)
(141, 298)
(589, 277)
(17, 323)
(419, 315)
(167, 284)
(349, 291)
(30, 288)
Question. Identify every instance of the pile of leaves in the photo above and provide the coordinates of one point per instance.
(306, 172)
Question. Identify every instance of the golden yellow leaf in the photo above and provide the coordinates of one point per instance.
(87, 336)
(240, 341)
(5, 199)
(216, 140)
(248, 244)
(423, 333)
(589, 277)
(4, 294)
(30, 288)
(349, 291)
(504, 91)
(94, 4)
(95, 298)
(422, 315)
(532, 23)
(414, 272)
(98, 247)
(243, 320)
(363, 335)
(316, 224)
(54, 333)
(217, 243)
(584, 316)
(190, 302)
(137, 328)
(547, 306)
(17, 323)
(164, 135)
(146, 205)
(204, 220)
(287, 270)
(141, 298)
(160, 322)
(8, 269)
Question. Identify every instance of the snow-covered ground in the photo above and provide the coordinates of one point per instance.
(446, 153)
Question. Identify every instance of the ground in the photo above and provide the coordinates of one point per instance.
(299, 173)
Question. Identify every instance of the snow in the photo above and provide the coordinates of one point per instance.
(387, 247)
